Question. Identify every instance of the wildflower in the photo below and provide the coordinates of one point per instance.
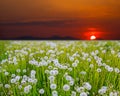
(13, 75)
(33, 72)
(41, 91)
(53, 86)
(13, 80)
(91, 66)
(117, 70)
(7, 86)
(6, 73)
(102, 90)
(24, 70)
(73, 93)
(71, 83)
(68, 78)
(87, 86)
(83, 94)
(83, 72)
(74, 65)
(99, 70)
(18, 70)
(66, 87)
(54, 93)
(26, 89)
(20, 87)
(80, 89)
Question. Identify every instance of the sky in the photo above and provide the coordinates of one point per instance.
(77, 18)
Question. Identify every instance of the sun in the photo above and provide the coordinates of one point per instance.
(92, 37)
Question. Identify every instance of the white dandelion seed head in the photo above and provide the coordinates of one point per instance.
(54, 93)
(53, 86)
(41, 91)
(13, 81)
(102, 90)
(26, 89)
(70, 69)
(66, 87)
(17, 78)
(73, 93)
(89, 59)
(6, 73)
(80, 89)
(20, 87)
(83, 72)
(52, 72)
(83, 94)
(71, 83)
(74, 65)
(110, 69)
(47, 71)
(99, 70)
(33, 72)
(51, 78)
(50, 67)
(91, 66)
(117, 70)
(7, 86)
(18, 70)
(68, 78)
(24, 70)
(13, 75)
(87, 86)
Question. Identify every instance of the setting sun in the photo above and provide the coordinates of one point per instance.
(93, 37)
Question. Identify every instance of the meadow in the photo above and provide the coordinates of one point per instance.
(60, 68)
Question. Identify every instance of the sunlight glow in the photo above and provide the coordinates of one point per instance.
(92, 37)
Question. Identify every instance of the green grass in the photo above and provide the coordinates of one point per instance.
(18, 54)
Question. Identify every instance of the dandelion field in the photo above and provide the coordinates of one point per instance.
(59, 68)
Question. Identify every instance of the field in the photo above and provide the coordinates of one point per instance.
(59, 68)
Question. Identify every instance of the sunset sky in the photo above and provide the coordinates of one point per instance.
(74, 18)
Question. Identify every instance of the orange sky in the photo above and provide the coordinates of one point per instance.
(47, 18)
(33, 10)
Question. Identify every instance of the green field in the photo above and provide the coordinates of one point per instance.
(59, 68)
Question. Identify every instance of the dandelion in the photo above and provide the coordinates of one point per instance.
(99, 70)
(53, 86)
(18, 70)
(7, 86)
(110, 69)
(26, 89)
(83, 72)
(91, 66)
(80, 89)
(41, 91)
(24, 70)
(87, 86)
(102, 90)
(68, 78)
(20, 87)
(74, 65)
(6, 73)
(66, 87)
(54, 93)
(117, 70)
(51, 78)
(83, 94)
(13, 75)
(13, 80)
(73, 93)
